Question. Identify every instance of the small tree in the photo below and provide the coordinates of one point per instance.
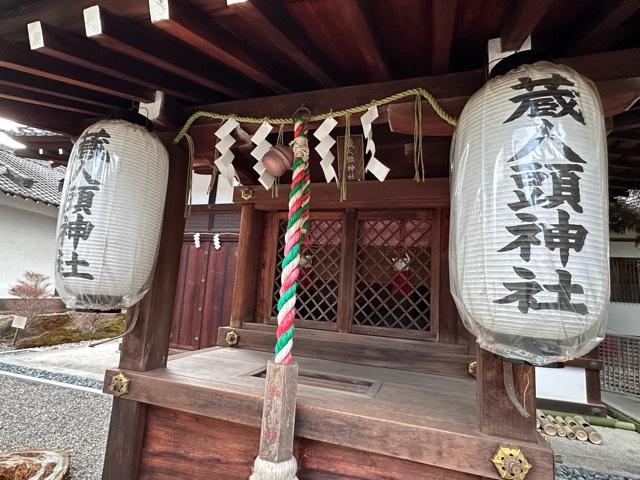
(31, 288)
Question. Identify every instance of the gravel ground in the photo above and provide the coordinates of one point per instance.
(48, 375)
(40, 415)
(573, 473)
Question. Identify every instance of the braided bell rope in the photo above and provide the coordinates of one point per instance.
(419, 92)
(297, 225)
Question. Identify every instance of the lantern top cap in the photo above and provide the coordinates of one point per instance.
(516, 60)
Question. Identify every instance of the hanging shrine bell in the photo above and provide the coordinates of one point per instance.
(110, 216)
(529, 244)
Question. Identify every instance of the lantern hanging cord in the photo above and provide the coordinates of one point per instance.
(419, 92)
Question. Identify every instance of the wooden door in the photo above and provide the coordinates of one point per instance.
(203, 295)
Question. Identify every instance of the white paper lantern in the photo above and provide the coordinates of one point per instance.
(110, 216)
(529, 242)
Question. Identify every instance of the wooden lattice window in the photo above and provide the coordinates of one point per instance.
(625, 280)
(393, 275)
(319, 270)
(363, 272)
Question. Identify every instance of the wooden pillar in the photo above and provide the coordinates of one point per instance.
(243, 306)
(497, 414)
(147, 346)
(348, 257)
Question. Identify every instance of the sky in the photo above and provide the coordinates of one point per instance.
(9, 126)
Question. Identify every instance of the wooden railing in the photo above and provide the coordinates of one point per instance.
(620, 357)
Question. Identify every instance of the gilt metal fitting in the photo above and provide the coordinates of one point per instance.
(247, 193)
(511, 463)
(119, 385)
(472, 368)
(232, 338)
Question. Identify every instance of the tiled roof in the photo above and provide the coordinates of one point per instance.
(30, 178)
(25, 131)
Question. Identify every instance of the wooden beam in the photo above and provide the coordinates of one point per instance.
(598, 34)
(452, 87)
(280, 29)
(432, 193)
(86, 53)
(32, 83)
(124, 36)
(443, 19)
(41, 117)
(189, 25)
(497, 414)
(525, 16)
(347, 282)
(19, 57)
(44, 100)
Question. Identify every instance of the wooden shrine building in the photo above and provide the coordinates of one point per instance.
(385, 391)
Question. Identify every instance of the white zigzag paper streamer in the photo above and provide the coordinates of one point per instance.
(262, 146)
(224, 163)
(375, 166)
(323, 134)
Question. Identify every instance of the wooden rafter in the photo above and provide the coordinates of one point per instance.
(625, 136)
(280, 29)
(358, 20)
(598, 34)
(443, 14)
(122, 35)
(41, 117)
(32, 83)
(626, 121)
(16, 56)
(86, 53)
(525, 17)
(45, 100)
(189, 25)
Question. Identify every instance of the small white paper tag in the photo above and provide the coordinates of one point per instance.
(259, 167)
(261, 134)
(224, 144)
(367, 119)
(325, 128)
(325, 145)
(226, 158)
(262, 148)
(226, 128)
(371, 147)
(266, 180)
(379, 169)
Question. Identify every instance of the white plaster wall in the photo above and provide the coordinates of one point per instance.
(568, 384)
(624, 318)
(27, 240)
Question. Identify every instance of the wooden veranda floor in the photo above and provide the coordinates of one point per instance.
(423, 418)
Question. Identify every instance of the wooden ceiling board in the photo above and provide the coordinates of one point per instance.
(406, 27)
(340, 29)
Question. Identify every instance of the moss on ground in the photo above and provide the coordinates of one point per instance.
(58, 329)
